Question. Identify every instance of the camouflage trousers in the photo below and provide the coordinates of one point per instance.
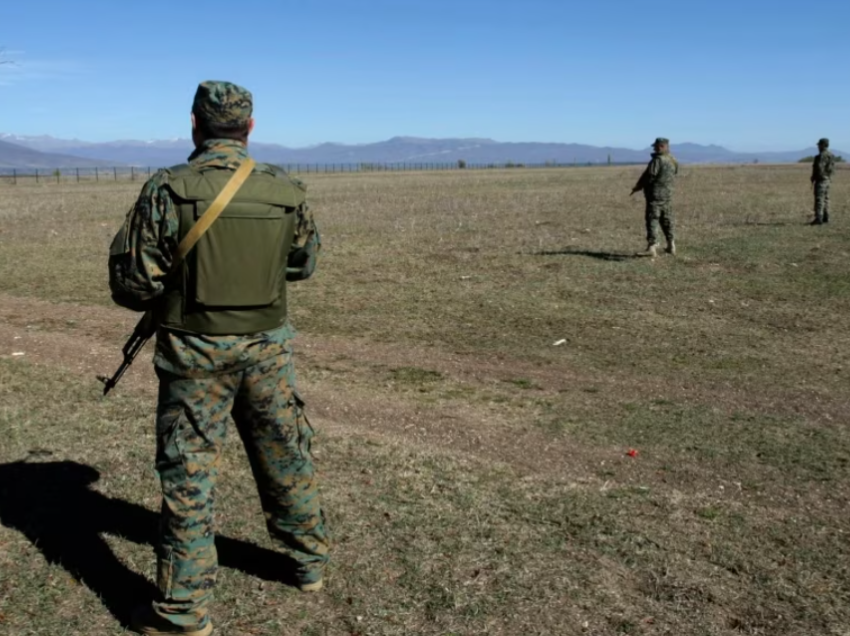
(822, 200)
(192, 418)
(659, 212)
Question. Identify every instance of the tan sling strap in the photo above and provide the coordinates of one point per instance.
(216, 208)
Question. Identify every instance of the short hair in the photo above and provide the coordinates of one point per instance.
(213, 130)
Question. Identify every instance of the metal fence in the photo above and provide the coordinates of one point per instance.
(14, 176)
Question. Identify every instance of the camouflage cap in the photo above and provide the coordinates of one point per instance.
(823, 142)
(223, 103)
(661, 141)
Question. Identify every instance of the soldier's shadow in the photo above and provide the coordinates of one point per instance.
(602, 256)
(54, 507)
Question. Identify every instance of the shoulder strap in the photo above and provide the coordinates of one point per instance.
(216, 208)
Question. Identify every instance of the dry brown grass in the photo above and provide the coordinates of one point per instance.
(475, 474)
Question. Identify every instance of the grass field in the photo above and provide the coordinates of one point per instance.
(476, 476)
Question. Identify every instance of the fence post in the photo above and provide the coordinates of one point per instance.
(14, 176)
(78, 175)
(58, 175)
(96, 175)
(115, 172)
(149, 172)
(132, 173)
(36, 175)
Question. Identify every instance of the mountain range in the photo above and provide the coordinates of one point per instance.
(18, 156)
(49, 152)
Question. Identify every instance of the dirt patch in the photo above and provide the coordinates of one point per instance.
(101, 328)
(28, 327)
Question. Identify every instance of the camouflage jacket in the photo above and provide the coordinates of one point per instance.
(657, 180)
(141, 255)
(823, 166)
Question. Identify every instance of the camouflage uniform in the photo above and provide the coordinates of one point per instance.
(204, 380)
(657, 185)
(822, 169)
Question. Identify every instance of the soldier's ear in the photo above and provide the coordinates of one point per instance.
(194, 122)
(250, 125)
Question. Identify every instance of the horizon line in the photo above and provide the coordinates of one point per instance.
(4, 136)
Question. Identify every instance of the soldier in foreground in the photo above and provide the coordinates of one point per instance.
(223, 348)
(657, 185)
(822, 168)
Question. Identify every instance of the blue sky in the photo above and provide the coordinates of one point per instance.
(747, 74)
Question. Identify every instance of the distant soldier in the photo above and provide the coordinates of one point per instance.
(223, 352)
(822, 168)
(657, 185)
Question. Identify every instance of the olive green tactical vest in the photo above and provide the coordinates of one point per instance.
(234, 281)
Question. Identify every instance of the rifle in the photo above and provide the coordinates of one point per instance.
(640, 185)
(145, 328)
